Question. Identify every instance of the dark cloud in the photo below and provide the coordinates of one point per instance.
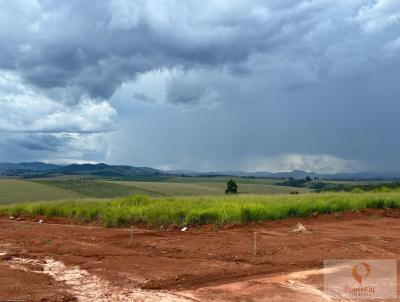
(96, 46)
(39, 142)
(221, 84)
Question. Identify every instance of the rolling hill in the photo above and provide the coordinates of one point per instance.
(38, 169)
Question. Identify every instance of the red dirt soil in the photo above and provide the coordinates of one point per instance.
(199, 264)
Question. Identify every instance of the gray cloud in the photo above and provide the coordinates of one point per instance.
(222, 85)
(41, 142)
(95, 46)
(144, 98)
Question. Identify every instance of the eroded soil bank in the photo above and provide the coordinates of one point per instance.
(59, 262)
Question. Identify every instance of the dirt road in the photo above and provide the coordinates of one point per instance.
(63, 262)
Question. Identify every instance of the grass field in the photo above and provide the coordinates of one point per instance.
(164, 212)
(14, 191)
(184, 186)
(73, 187)
(18, 190)
(97, 189)
(357, 182)
(223, 179)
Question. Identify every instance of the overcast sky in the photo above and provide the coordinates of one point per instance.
(204, 85)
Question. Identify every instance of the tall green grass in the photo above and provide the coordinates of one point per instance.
(163, 212)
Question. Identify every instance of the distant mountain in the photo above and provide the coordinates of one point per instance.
(39, 169)
(390, 175)
(107, 170)
(298, 174)
(33, 166)
(26, 169)
(264, 174)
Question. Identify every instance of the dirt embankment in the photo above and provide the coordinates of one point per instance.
(57, 262)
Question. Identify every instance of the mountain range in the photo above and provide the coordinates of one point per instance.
(40, 169)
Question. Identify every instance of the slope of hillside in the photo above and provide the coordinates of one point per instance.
(15, 191)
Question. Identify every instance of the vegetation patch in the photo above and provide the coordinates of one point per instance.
(337, 186)
(193, 211)
(380, 187)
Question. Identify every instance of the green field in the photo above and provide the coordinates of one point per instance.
(193, 211)
(185, 186)
(74, 188)
(96, 189)
(17, 190)
(14, 191)
(357, 182)
(177, 201)
(223, 179)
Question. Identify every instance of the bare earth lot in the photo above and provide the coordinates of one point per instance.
(62, 262)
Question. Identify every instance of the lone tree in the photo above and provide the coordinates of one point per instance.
(231, 187)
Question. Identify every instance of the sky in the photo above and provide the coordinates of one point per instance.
(272, 85)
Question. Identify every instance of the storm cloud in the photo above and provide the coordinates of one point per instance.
(252, 85)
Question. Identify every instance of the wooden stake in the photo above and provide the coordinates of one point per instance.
(131, 235)
(255, 244)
